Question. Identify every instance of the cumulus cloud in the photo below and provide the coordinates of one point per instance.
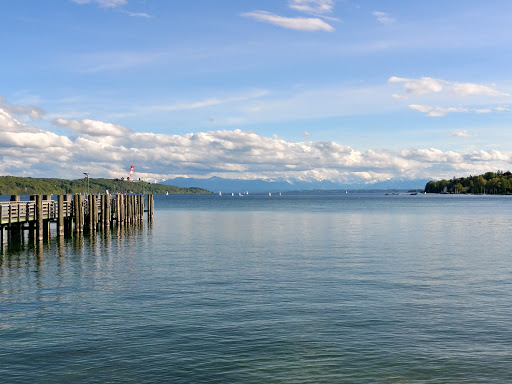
(110, 149)
(490, 155)
(383, 17)
(297, 23)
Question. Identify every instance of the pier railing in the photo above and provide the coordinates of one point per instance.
(71, 213)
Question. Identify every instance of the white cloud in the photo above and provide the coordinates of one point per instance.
(469, 89)
(32, 112)
(383, 17)
(436, 111)
(312, 6)
(93, 127)
(102, 3)
(419, 86)
(490, 155)
(138, 14)
(443, 111)
(460, 133)
(426, 85)
(297, 23)
(451, 92)
(109, 149)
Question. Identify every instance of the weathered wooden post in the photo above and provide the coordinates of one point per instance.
(151, 207)
(39, 218)
(107, 211)
(75, 211)
(69, 215)
(90, 213)
(78, 213)
(142, 208)
(48, 204)
(3, 235)
(60, 218)
(81, 212)
(128, 209)
(139, 206)
(94, 213)
(136, 208)
(120, 209)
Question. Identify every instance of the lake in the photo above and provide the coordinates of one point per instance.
(298, 288)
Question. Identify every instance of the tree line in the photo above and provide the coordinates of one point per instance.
(498, 183)
(14, 185)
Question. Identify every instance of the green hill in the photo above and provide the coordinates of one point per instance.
(498, 183)
(13, 185)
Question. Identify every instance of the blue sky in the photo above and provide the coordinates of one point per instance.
(312, 89)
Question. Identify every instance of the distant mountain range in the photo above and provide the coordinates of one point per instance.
(217, 184)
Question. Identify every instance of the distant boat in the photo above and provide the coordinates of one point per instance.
(232, 194)
(166, 193)
(270, 193)
(246, 192)
(220, 193)
(239, 194)
(279, 193)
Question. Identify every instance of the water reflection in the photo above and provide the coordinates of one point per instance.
(318, 295)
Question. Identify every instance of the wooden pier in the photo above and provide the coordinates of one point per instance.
(71, 213)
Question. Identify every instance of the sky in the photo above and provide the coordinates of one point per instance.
(343, 90)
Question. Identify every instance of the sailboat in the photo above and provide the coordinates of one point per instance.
(270, 193)
(220, 193)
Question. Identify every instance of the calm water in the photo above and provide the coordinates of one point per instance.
(290, 289)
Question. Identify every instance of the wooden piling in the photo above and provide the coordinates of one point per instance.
(90, 216)
(39, 218)
(60, 219)
(151, 207)
(68, 221)
(108, 217)
(72, 213)
(95, 212)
